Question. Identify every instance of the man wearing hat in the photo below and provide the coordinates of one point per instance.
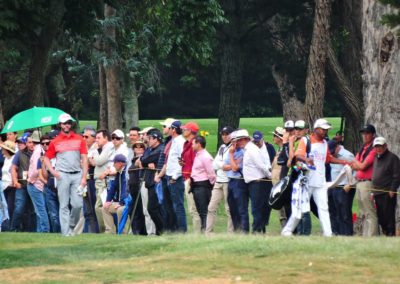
(173, 170)
(386, 179)
(187, 158)
(115, 201)
(19, 173)
(367, 218)
(70, 172)
(317, 156)
(220, 189)
(255, 173)
(340, 199)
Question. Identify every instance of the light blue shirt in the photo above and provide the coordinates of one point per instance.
(238, 154)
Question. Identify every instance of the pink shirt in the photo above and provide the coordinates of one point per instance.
(33, 173)
(202, 167)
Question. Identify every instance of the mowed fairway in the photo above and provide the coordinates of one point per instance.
(220, 258)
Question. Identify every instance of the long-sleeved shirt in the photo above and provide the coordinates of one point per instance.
(218, 162)
(238, 157)
(151, 156)
(202, 167)
(174, 170)
(188, 156)
(33, 173)
(103, 159)
(386, 172)
(254, 165)
(265, 155)
(117, 191)
(163, 155)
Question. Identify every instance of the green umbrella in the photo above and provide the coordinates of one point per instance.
(33, 118)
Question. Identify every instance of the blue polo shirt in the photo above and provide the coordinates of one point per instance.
(238, 154)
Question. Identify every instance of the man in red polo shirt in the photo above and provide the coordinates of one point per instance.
(363, 164)
(70, 150)
(187, 157)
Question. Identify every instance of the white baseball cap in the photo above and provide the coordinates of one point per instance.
(147, 129)
(63, 118)
(379, 141)
(300, 124)
(118, 133)
(167, 122)
(289, 124)
(322, 123)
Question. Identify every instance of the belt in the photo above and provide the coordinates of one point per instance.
(361, 180)
(72, 173)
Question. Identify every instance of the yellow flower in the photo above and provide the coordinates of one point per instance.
(202, 133)
(206, 133)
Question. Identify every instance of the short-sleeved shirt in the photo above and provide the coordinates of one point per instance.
(319, 152)
(367, 173)
(238, 154)
(68, 150)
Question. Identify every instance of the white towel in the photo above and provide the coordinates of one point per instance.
(351, 180)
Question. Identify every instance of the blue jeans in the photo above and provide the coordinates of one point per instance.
(258, 192)
(170, 216)
(53, 208)
(39, 203)
(177, 193)
(23, 203)
(238, 200)
(304, 226)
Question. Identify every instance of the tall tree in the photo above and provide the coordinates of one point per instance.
(315, 81)
(381, 76)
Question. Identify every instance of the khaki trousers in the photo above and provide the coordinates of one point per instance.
(150, 226)
(367, 211)
(219, 192)
(98, 207)
(192, 208)
(109, 219)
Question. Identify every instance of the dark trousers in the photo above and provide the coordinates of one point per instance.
(88, 208)
(385, 208)
(9, 194)
(154, 209)
(170, 221)
(333, 212)
(137, 221)
(53, 209)
(342, 210)
(238, 200)
(201, 195)
(259, 194)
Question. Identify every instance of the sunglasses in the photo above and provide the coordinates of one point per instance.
(87, 136)
(45, 143)
(68, 122)
(140, 146)
(116, 138)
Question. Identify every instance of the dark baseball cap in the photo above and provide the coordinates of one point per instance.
(119, 158)
(369, 128)
(227, 130)
(257, 136)
(176, 124)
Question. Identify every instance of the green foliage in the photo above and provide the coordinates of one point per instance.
(392, 20)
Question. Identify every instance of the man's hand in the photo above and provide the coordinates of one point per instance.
(285, 137)
(95, 146)
(57, 175)
(292, 139)
(346, 188)
(107, 205)
(17, 185)
(309, 161)
(391, 194)
(138, 163)
(157, 179)
(181, 162)
(355, 165)
(83, 181)
(233, 147)
(152, 166)
(117, 206)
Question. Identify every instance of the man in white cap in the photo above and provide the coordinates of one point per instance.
(255, 174)
(70, 171)
(317, 155)
(386, 179)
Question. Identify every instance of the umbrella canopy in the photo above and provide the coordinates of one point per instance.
(33, 118)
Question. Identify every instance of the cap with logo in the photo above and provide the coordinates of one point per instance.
(257, 136)
(322, 123)
(379, 141)
(64, 117)
(176, 124)
(23, 138)
(289, 124)
(227, 130)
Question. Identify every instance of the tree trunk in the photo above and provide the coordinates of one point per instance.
(130, 101)
(231, 67)
(1, 99)
(103, 116)
(292, 108)
(41, 51)
(381, 76)
(112, 72)
(315, 81)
